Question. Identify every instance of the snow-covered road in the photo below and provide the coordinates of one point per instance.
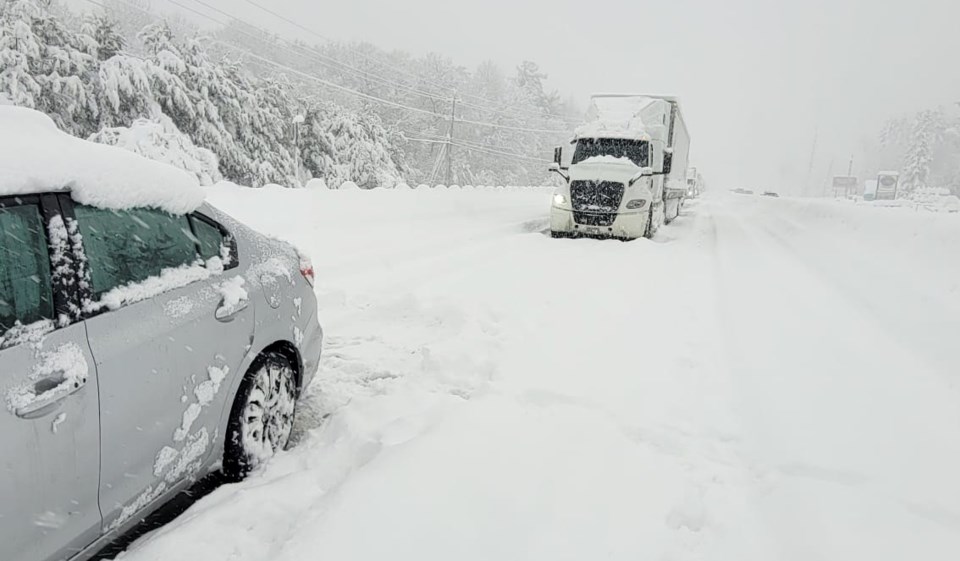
(769, 379)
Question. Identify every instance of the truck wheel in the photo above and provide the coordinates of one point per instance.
(262, 416)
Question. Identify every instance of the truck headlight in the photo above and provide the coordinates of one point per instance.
(559, 199)
(636, 204)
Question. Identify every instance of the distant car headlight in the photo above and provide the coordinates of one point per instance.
(559, 199)
(636, 204)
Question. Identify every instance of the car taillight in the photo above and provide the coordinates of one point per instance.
(306, 269)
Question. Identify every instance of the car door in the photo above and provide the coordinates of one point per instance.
(162, 354)
(49, 420)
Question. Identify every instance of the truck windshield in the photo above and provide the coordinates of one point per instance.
(636, 150)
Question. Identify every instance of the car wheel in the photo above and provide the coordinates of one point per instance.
(262, 416)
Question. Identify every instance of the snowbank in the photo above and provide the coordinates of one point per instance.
(36, 157)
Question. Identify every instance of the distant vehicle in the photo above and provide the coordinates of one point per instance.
(628, 171)
(771, 194)
(144, 340)
(742, 191)
(694, 183)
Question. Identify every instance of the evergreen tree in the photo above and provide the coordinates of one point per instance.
(107, 36)
(45, 66)
(926, 133)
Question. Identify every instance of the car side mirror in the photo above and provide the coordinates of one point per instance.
(558, 156)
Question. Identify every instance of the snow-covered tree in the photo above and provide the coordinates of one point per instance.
(106, 33)
(340, 146)
(97, 75)
(46, 66)
(161, 141)
(926, 133)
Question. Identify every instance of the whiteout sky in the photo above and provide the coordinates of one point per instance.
(756, 77)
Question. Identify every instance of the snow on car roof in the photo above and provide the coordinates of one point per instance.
(37, 157)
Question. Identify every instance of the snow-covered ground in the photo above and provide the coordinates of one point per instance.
(769, 379)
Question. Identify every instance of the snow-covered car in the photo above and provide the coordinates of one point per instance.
(773, 194)
(146, 339)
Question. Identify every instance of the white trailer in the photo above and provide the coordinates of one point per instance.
(628, 173)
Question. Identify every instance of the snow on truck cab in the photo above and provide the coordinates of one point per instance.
(627, 175)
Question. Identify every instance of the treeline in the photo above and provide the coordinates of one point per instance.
(925, 148)
(254, 108)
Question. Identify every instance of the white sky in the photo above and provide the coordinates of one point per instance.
(756, 77)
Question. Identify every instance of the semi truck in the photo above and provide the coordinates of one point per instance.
(627, 175)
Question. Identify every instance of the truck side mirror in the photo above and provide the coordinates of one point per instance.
(558, 155)
(644, 172)
(667, 163)
(555, 168)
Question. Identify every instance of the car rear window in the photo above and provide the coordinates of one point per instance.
(26, 295)
(130, 246)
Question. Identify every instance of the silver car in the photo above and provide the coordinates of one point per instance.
(139, 351)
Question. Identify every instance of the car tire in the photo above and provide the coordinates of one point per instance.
(262, 416)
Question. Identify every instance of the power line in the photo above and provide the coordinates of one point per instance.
(332, 62)
(379, 99)
(475, 148)
(333, 85)
(383, 64)
(340, 65)
(343, 88)
(317, 56)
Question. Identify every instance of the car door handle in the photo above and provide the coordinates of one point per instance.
(47, 394)
(226, 313)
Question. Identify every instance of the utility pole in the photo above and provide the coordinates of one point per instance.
(850, 167)
(813, 153)
(297, 121)
(453, 119)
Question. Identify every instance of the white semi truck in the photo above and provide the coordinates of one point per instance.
(627, 175)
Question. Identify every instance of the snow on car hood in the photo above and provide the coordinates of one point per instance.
(36, 157)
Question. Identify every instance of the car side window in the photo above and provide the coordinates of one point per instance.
(209, 237)
(26, 294)
(129, 246)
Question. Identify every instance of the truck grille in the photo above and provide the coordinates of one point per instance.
(595, 203)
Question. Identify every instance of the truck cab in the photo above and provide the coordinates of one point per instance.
(621, 181)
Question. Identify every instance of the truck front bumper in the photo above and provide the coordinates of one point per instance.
(626, 225)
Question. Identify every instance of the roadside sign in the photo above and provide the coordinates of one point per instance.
(844, 186)
(887, 185)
